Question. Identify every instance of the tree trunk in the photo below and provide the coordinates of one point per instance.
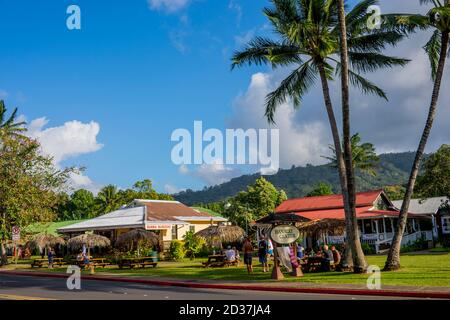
(393, 259)
(359, 261)
(346, 263)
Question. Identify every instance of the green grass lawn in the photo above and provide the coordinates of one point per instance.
(417, 270)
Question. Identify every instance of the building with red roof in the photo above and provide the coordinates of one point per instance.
(377, 218)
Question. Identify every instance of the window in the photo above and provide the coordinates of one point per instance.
(446, 225)
(192, 229)
(174, 232)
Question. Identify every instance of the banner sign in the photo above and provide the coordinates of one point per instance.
(284, 234)
(158, 226)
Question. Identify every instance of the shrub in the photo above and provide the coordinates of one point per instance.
(193, 244)
(446, 243)
(419, 244)
(367, 248)
(177, 250)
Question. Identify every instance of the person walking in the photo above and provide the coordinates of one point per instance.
(263, 248)
(248, 254)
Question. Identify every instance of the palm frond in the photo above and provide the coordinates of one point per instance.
(294, 86)
(372, 61)
(433, 50)
(265, 51)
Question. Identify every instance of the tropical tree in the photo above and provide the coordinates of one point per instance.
(107, 199)
(321, 189)
(260, 199)
(434, 181)
(437, 19)
(29, 185)
(81, 204)
(9, 126)
(309, 41)
(364, 157)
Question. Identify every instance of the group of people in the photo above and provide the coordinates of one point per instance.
(21, 252)
(265, 250)
(328, 256)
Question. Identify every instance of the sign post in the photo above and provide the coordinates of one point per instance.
(284, 234)
(15, 231)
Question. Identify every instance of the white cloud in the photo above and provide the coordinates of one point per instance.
(234, 6)
(168, 5)
(171, 189)
(301, 142)
(211, 174)
(70, 140)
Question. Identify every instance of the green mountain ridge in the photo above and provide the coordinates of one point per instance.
(393, 169)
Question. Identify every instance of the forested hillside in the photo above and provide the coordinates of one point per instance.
(393, 169)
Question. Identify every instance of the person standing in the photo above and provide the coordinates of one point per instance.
(263, 248)
(327, 258)
(248, 254)
(50, 256)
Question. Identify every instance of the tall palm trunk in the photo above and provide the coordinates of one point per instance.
(347, 262)
(393, 260)
(353, 241)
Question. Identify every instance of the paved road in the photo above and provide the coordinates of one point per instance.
(37, 288)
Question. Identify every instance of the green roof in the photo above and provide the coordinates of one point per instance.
(213, 213)
(48, 227)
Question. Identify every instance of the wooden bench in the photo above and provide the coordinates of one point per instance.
(137, 262)
(44, 262)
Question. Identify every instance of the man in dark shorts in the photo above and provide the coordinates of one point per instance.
(263, 248)
(248, 254)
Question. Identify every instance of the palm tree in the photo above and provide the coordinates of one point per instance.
(8, 126)
(437, 19)
(107, 199)
(359, 262)
(309, 38)
(364, 157)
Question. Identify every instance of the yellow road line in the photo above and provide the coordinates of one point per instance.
(16, 297)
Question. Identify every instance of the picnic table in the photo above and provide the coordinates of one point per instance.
(218, 260)
(94, 262)
(312, 264)
(41, 262)
(140, 262)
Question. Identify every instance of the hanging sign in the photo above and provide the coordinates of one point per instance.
(284, 234)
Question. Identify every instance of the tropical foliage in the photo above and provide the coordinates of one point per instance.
(364, 156)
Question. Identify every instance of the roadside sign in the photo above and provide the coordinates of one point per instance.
(15, 233)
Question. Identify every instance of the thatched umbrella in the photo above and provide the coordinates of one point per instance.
(222, 234)
(89, 240)
(138, 237)
(43, 241)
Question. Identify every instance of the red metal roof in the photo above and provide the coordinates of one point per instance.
(363, 199)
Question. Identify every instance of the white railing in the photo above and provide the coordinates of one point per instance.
(378, 239)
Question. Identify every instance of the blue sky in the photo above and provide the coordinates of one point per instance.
(133, 74)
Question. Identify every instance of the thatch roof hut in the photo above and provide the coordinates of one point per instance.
(44, 240)
(137, 237)
(88, 240)
(335, 226)
(220, 234)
